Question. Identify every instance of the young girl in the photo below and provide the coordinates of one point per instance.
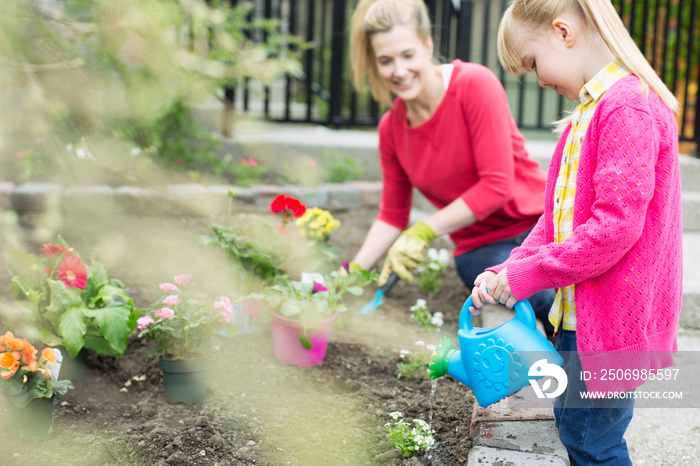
(448, 133)
(610, 237)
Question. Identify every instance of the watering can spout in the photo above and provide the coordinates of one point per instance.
(446, 360)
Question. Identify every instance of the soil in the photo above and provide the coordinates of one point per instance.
(256, 411)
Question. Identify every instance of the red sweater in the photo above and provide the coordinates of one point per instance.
(471, 149)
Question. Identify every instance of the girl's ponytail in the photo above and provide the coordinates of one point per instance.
(602, 15)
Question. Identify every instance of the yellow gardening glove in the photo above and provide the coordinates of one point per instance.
(407, 253)
(352, 267)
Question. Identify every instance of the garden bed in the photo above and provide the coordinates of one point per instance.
(257, 411)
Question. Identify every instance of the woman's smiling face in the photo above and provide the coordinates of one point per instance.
(403, 60)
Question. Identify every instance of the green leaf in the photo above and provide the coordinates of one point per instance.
(108, 294)
(72, 326)
(61, 387)
(304, 340)
(49, 337)
(113, 325)
(355, 290)
(291, 308)
(100, 345)
(62, 298)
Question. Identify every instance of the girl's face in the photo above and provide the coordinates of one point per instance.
(551, 56)
(403, 60)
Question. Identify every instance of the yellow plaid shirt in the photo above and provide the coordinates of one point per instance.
(563, 311)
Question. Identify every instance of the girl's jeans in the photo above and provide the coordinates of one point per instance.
(592, 431)
(472, 263)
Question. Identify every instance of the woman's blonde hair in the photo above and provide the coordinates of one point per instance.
(374, 16)
(529, 17)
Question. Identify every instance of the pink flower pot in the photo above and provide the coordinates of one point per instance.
(288, 349)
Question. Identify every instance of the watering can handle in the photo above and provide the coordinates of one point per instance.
(523, 312)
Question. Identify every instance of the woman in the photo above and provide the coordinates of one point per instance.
(449, 133)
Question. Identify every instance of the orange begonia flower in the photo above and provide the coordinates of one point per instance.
(8, 360)
(33, 366)
(14, 343)
(47, 353)
(28, 353)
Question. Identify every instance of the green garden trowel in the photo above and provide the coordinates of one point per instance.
(378, 301)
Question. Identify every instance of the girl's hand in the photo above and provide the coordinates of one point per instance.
(500, 290)
(480, 296)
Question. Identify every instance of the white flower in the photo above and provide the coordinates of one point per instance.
(84, 154)
(444, 257)
(135, 151)
(420, 269)
(430, 347)
(395, 415)
(434, 266)
(404, 352)
(437, 319)
(431, 254)
(420, 343)
(420, 304)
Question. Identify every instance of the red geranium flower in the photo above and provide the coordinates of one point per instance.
(288, 207)
(278, 204)
(298, 209)
(72, 272)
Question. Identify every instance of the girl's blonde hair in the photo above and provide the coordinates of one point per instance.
(530, 17)
(374, 16)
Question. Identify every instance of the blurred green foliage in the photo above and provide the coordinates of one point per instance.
(121, 76)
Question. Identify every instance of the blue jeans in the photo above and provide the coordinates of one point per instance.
(594, 434)
(472, 263)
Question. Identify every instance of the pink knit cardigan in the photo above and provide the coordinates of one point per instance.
(624, 255)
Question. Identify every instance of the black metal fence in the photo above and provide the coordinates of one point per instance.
(667, 32)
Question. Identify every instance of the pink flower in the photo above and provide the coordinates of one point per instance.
(224, 306)
(312, 164)
(167, 287)
(72, 272)
(249, 161)
(171, 300)
(165, 313)
(182, 279)
(252, 307)
(318, 287)
(21, 154)
(143, 322)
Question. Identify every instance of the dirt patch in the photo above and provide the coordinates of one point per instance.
(257, 411)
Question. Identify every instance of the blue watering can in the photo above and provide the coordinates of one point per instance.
(496, 362)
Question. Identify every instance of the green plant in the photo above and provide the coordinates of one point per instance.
(409, 440)
(314, 298)
(184, 323)
(340, 168)
(248, 171)
(176, 139)
(430, 273)
(248, 248)
(71, 303)
(422, 315)
(416, 361)
(23, 377)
